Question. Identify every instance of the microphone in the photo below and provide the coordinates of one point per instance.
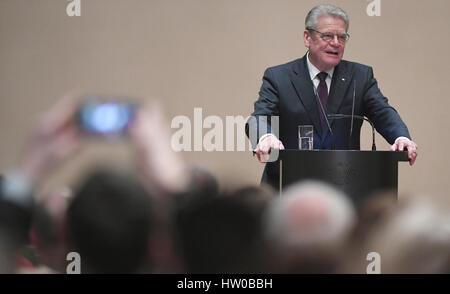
(339, 116)
(353, 114)
(332, 147)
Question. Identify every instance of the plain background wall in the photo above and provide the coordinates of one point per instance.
(212, 54)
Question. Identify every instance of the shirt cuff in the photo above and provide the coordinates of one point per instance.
(266, 135)
(401, 138)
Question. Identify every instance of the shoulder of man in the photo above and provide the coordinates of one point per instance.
(354, 66)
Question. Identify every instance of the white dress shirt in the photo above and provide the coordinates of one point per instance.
(314, 71)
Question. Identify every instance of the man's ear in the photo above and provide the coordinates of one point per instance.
(306, 38)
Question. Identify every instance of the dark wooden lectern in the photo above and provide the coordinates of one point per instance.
(357, 173)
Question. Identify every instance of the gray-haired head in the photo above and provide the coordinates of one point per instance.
(309, 214)
(312, 19)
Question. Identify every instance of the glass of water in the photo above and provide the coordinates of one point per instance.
(306, 137)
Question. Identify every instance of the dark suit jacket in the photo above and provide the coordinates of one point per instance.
(287, 92)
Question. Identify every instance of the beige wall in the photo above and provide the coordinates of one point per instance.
(211, 54)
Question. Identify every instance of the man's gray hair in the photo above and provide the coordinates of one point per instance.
(309, 214)
(312, 19)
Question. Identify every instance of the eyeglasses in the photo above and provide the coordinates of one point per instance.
(328, 37)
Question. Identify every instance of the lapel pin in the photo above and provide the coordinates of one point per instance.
(343, 79)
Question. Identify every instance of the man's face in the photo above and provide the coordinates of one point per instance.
(326, 55)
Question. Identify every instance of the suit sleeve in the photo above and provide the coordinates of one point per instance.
(266, 107)
(385, 118)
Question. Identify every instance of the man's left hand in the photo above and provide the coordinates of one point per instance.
(412, 148)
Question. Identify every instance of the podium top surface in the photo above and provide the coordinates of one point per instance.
(393, 155)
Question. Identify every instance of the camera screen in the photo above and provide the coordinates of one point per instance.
(106, 118)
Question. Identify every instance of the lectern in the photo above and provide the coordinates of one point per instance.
(359, 174)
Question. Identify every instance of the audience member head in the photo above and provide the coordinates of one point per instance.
(413, 239)
(16, 210)
(8, 251)
(308, 226)
(202, 185)
(109, 222)
(220, 235)
(257, 197)
(48, 233)
(202, 180)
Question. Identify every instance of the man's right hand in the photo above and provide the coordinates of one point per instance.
(264, 145)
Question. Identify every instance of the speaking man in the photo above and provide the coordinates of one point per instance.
(309, 90)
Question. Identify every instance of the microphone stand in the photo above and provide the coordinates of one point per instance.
(339, 116)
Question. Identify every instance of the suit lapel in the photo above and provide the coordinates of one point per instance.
(304, 87)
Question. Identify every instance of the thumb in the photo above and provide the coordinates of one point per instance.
(394, 147)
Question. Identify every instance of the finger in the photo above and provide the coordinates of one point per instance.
(413, 159)
(262, 157)
(394, 147)
(264, 149)
(261, 147)
(61, 114)
(156, 114)
(412, 153)
(134, 127)
(401, 146)
(410, 149)
(275, 144)
(65, 144)
(260, 152)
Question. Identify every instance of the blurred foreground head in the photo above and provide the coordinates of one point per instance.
(413, 239)
(48, 232)
(220, 234)
(109, 222)
(307, 226)
(16, 211)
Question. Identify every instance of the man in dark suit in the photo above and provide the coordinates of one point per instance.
(301, 92)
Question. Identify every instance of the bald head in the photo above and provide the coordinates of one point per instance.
(310, 213)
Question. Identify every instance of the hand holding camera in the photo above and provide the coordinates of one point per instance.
(106, 116)
(60, 130)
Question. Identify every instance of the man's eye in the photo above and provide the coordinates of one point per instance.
(328, 36)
